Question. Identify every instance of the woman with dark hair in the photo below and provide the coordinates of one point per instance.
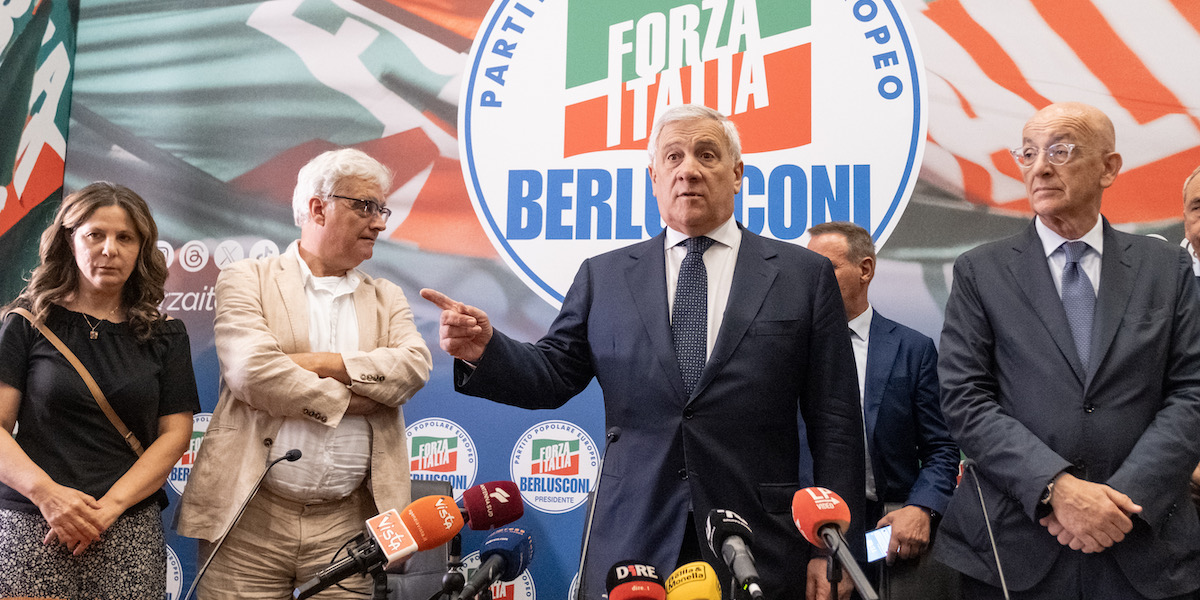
(82, 464)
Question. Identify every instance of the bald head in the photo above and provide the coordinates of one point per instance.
(1091, 126)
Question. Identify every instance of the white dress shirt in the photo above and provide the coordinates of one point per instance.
(860, 339)
(336, 459)
(719, 262)
(1057, 258)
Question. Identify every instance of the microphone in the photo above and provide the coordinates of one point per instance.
(394, 536)
(610, 437)
(634, 580)
(492, 504)
(292, 455)
(694, 581)
(729, 537)
(505, 554)
(821, 516)
(970, 465)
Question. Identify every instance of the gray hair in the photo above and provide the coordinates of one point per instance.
(858, 241)
(689, 112)
(323, 173)
(1188, 181)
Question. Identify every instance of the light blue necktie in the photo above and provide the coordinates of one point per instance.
(689, 315)
(1079, 299)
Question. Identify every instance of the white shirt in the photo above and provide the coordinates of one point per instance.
(719, 261)
(336, 459)
(1057, 257)
(860, 339)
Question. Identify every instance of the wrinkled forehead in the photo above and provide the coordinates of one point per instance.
(692, 132)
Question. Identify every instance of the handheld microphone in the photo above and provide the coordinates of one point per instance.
(492, 504)
(292, 455)
(821, 516)
(505, 554)
(634, 580)
(729, 537)
(969, 465)
(613, 434)
(694, 581)
(394, 536)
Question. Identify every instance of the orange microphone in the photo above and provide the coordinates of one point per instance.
(822, 517)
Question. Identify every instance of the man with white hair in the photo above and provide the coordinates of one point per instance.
(317, 356)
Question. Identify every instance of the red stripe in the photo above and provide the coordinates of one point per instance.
(983, 49)
(1081, 25)
(1190, 9)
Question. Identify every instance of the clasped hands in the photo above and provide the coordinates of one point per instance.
(1088, 516)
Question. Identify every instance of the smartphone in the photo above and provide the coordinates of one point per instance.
(877, 543)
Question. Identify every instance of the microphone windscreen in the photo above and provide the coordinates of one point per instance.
(432, 520)
(628, 571)
(694, 581)
(492, 504)
(816, 507)
(638, 590)
(722, 524)
(512, 544)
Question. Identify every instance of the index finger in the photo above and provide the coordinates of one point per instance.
(440, 300)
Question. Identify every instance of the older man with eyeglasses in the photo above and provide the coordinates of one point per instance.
(316, 356)
(1070, 373)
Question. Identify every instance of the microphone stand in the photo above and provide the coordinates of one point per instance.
(839, 555)
(292, 455)
(614, 433)
(454, 580)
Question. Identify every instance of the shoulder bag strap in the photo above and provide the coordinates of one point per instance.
(87, 378)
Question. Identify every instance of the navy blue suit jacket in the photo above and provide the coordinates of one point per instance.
(913, 458)
(1020, 403)
(782, 361)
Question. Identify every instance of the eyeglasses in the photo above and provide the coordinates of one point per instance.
(1056, 154)
(366, 209)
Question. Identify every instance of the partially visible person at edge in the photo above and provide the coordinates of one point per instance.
(1191, 233)
(80, 511)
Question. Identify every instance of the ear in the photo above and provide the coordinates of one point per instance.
(867, 269)
(738, 169)
(1112, 166)
(316, 210)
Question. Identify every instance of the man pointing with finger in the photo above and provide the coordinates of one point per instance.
(713, 347)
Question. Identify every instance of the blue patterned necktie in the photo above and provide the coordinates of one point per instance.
(1079, 299)
(689, 315)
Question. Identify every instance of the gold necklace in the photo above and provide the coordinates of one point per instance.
(93, 335)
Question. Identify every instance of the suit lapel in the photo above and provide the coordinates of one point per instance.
(1116, 287)
(882, 347)
(1032, 275)
(366, 315)
(753, 275)
(287, 280)
(647, 281)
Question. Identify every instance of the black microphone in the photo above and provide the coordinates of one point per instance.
(970, 465)
(730, 537)
(613, 434)
(292, 455)
(505, 554)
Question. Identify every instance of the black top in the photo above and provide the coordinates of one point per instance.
(59, 424)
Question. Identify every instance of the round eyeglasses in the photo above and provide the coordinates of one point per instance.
(1056, 154)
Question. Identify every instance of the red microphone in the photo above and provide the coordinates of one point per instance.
(633, 580)
(492, 504)
(822, 517)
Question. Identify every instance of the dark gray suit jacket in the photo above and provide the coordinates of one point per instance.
(1019, 402)
(782, 361)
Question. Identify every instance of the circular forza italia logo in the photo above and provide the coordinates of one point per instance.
(178, 477)
(438, 449)
(560, 97)
(554, 464)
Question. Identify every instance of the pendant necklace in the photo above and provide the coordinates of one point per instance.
(92, 334)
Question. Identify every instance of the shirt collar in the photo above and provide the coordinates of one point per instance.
(727, 234)
(1051, 240)
(861, 325)
(336, 285)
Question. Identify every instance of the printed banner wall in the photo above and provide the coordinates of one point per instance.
(517, 131)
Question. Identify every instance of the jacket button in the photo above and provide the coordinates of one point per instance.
(688, 413)
(1089, 408)
(683, 474)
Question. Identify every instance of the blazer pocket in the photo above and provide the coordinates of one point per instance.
(777, 327)
(776, 498)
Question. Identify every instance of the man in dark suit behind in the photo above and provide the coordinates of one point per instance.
(1070, 371)
(912, 460)
(778, 359)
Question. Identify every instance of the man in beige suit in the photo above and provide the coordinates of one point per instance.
(317, 356)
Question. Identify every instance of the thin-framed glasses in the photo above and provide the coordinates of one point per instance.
(1056, 154)
(366, 208)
